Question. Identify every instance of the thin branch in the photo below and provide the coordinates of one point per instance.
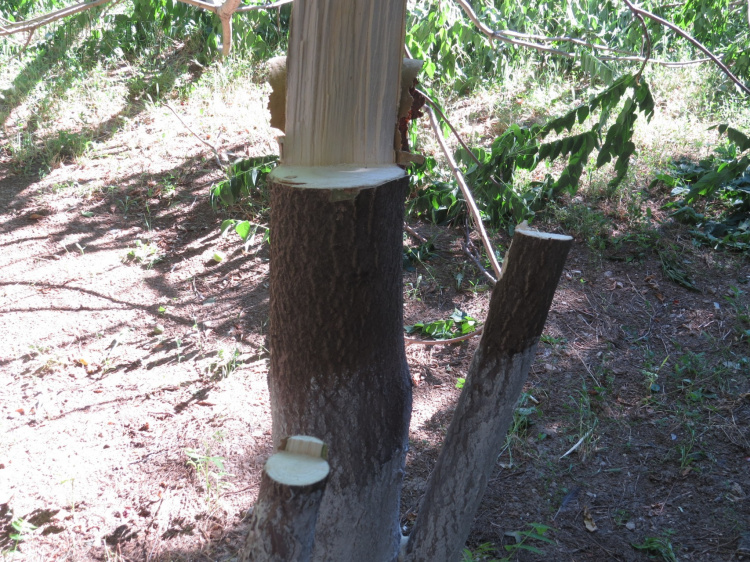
(692, 40)
(414, 234)
(646, 38)
(208, 144)
(470, 203)
(508, 37)
(659, 62)
(44, 19)
(201, 4)
(264, 6)
(470, 250)
(564, 39)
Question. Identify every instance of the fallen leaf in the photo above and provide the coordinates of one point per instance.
(588, 520)
(36, 216)
(204, 403)
(21, 411)
(144, 427)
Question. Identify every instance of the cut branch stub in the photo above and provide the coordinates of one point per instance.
(283, 522)
(277, 99)
(518, 310)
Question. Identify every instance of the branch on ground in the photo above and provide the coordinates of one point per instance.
(470, 202)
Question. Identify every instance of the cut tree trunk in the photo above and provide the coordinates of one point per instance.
(518, 310)
(282, 526)
(338, 366)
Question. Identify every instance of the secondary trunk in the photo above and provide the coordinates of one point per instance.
(518, 311)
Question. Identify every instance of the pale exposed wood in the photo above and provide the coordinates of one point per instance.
(409, 70)
(335, 177)
(343, 81)
(518, 310)
(282, 525)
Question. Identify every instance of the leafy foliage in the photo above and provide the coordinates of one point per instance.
(458, 324)
(492, 177)
(245, 183)
(714, 194)
(245, 186)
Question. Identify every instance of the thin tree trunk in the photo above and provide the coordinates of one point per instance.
(518, 310)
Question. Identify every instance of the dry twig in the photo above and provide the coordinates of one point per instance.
(208, 144)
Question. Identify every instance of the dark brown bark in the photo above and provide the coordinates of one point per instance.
(282, 527)
(518, 310)
(338, 366)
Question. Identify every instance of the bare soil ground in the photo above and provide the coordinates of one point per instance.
(124, 440)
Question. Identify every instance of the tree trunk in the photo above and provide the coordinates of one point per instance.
(518, 310)
(338, 366)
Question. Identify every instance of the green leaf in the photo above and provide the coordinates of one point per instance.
(226, 225)
(243, 228)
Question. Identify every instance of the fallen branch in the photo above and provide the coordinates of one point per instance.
(414, 234)
(39, 21)
(208, 144)
(413, 341)
(470, 203)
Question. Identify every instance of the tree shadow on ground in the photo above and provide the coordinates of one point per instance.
(182, 227)
(62, 61)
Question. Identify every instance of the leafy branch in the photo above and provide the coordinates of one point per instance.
(527, 40)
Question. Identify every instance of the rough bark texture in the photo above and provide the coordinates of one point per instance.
(518, 310)
(283, 522)
(338, 366)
